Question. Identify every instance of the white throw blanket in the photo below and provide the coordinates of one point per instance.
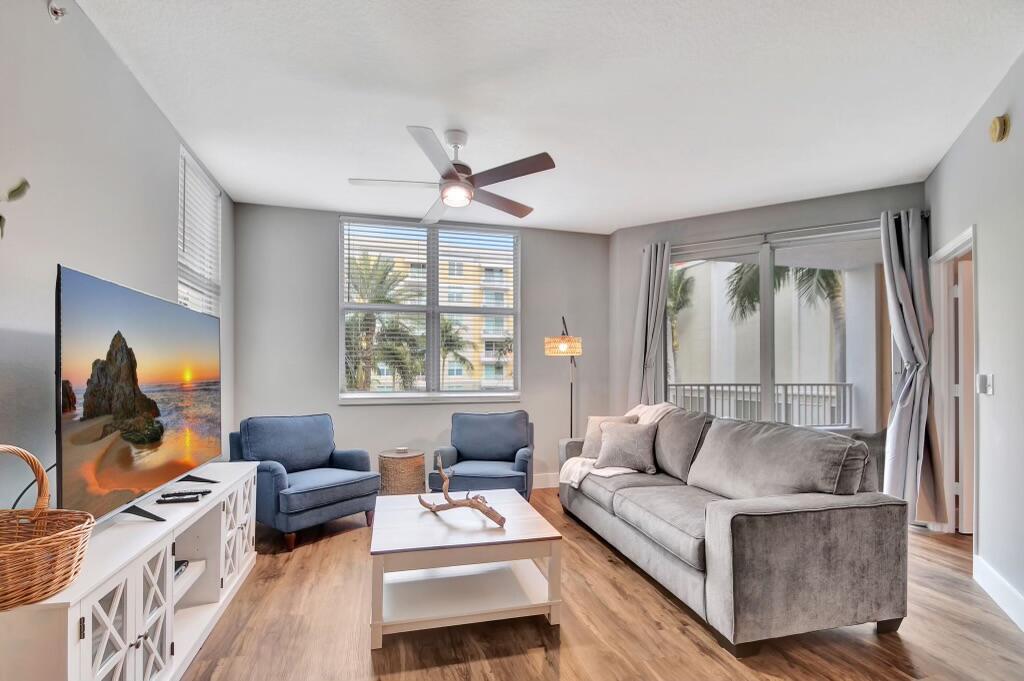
(578, 467)
(575, 469)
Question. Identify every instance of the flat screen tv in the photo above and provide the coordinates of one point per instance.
(138, 392)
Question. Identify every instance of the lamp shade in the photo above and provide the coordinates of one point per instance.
(563, 346)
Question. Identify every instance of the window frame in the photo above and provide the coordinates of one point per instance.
(433, 309)
(764, 246)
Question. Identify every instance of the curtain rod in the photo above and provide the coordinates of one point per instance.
(763, 236)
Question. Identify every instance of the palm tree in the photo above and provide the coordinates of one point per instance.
(454, 345)
(680, 296)
(400, 348)
(369, 279)
(812, 285)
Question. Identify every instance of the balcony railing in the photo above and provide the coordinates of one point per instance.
(821, 405)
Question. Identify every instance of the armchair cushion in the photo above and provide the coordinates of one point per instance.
(322, 486)
(479, 475)
(490, 437)
(352, 459)
(296, 442)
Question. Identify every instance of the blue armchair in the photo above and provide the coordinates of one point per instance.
(302, 480)
(488, 451)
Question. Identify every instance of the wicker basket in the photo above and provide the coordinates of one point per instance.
(41, 550)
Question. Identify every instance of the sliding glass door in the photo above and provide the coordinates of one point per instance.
(788, 328)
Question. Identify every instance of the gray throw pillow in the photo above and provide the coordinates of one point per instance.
(592, 440)
(679, 434)
(745, 459)
(630, 445)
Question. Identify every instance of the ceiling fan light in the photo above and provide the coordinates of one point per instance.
(456, 195)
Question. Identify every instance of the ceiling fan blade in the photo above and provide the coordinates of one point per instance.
(431, 146)
(520, 210)
(524, 166)
(367, 182)
(434, 214)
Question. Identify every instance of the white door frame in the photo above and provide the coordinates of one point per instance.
(942, 358)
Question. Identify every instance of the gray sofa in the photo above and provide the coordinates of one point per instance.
(763, 530)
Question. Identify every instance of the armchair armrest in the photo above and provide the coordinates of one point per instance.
(569, 447)
(524, 464)
(449, 457)
(351, 459)
(271, 479)
(802, 562)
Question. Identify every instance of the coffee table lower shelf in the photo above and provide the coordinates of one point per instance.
(463, 594)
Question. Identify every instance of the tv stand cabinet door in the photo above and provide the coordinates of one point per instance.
(107, 624)
(230, 550)
(155, 608)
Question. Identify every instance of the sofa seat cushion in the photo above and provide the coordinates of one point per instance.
(672, 517)
(322, 486)
(602, 490)
(471, 475)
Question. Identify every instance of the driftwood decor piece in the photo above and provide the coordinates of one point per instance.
(476, 502)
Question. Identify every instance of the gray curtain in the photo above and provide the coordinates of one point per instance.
(649, 325)
(911, 467)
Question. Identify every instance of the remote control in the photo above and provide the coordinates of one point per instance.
(178, 500)
(186, 493)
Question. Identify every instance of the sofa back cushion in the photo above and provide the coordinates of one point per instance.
(491, 437)
(745, 459)
(592, 439)
(679, 435)
(298, 443)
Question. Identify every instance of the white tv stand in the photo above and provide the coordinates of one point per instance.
(127, 617)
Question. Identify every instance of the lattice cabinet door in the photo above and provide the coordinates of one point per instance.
(246, 520)
(229, 524)
(106, 629)
(153, 635)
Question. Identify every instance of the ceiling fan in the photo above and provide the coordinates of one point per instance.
(459, 185)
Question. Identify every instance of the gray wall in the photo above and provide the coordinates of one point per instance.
(103, 163)
(626, 246)
(983, 183)
(287, 326)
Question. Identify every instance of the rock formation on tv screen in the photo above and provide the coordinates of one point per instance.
(68, 399)
(113, 389)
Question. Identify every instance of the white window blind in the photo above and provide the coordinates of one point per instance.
(199, 218)
(428, 311)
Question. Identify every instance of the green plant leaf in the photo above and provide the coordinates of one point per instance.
(18, 190)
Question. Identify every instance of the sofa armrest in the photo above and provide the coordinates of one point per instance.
(449, 457)
(271, 479)
(351, 459)
(569, 447)
(802, 562)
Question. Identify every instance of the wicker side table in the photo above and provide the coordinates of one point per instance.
(401, 472)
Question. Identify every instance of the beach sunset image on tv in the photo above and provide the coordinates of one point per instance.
(139, 392)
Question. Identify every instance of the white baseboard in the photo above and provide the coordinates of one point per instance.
(1002, 592)
(545, 480)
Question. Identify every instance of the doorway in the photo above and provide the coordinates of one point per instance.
(954, 360)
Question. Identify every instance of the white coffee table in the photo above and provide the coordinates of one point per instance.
(458, 567)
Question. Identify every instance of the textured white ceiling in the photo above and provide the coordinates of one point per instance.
(652, 109)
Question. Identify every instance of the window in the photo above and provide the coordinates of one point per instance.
(427, 313)
(807, 359)
(198, 238)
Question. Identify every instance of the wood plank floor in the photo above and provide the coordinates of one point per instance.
(304, 616)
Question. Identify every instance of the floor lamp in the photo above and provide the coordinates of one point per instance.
(565, 346)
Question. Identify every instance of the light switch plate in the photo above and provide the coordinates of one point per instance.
(985, 384)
